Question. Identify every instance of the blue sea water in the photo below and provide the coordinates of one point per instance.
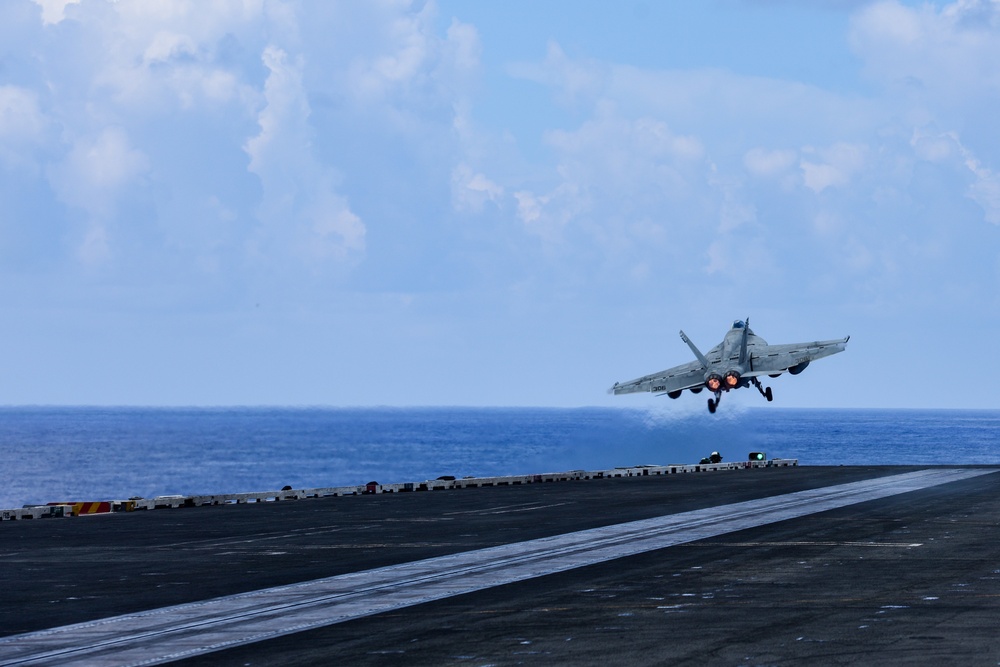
(57, 454)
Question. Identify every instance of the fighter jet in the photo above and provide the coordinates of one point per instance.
(736, 362)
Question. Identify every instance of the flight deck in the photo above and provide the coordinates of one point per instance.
(738, 566)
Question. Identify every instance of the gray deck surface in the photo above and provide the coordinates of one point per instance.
(914, 578)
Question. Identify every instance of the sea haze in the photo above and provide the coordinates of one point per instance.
(60, 454)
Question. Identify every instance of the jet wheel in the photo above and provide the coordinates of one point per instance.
(711, 406)
(768, 395)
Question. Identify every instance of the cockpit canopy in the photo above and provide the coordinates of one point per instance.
(738, 324)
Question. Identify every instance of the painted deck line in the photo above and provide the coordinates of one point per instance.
(172, 633)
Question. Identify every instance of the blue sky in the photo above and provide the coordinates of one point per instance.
(469, 203)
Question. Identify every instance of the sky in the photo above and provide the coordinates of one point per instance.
(345, 203)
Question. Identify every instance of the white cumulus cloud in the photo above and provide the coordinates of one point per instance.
(96, 169)
(769, 163)
(944, 55)
(92, 177)
(298, 190)
(53, 11)
(471, 189)
(833, 166)
(947, 148)
(21, 125)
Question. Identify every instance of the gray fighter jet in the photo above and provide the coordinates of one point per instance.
(736, 362)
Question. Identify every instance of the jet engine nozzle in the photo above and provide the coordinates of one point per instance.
(732, 379)
(713, 382)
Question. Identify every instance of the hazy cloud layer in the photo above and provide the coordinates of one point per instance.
(283, 202)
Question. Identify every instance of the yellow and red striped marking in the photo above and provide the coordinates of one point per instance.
(97, 507)
(91, 508)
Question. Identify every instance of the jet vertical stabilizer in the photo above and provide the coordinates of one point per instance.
(743, 342)
(697, 352)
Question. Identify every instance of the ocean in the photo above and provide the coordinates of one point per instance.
(57, 454)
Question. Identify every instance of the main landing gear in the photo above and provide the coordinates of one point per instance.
(713, 403)
(764, 391)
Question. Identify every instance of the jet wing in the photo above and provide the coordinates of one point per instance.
(673, 379)
(771, 359)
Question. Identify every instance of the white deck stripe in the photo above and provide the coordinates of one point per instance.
(172, 633)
